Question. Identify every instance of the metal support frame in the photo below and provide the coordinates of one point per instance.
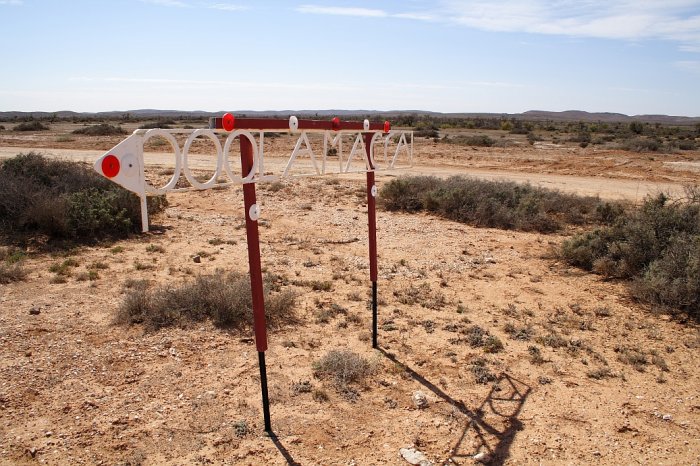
(256, 282)
(372, 231)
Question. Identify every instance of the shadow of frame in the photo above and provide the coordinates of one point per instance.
(503, 404)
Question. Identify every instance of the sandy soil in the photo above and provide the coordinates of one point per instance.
(77, 389)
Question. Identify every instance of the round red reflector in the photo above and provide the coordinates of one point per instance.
(110, 166)
(335, 124)
(387, 126)
(228, 122)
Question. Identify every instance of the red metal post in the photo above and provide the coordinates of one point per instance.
(256, 282)
(372, 223)
(251, 229)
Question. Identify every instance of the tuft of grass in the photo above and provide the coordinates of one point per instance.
(223, 298)
(524, 333)
(11, 265)
(155, 248)
(11, 272)
(632, 356)
(535, 355)
(344, 367)
(241, 429)
(482, 374)
(600, 373)
(423, 295)
(303, 386)
(492, 204)
(553, 340)
(63, 269)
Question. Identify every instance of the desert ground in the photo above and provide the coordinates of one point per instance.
(76, 388)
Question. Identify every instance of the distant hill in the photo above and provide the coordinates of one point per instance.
(537, 115)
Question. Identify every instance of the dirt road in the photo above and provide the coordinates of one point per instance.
(605, 187)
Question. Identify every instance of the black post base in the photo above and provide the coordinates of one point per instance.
(263, 388)
(374, 314)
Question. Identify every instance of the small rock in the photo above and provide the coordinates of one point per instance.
(667, 417)
(197, 259)
(34, 311)
(415, 457)
(420, 400)
(173, 352)
(482, 457)
(32, 452)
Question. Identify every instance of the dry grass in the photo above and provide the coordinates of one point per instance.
(344, 367)
(223, 298)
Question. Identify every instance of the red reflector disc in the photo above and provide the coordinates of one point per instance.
(110, 166)
(335, 124)
(387, 126)
(228, 122)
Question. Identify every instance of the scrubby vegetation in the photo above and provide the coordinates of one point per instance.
(223, 298)
(102, 129)
(498, 204)
(162, 124)
(65, 200)
(656, 246)
(345, 368)
(476, 141)
(33, 125)
(11, 267)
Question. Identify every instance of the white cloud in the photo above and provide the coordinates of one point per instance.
(689, 65)
(341, 11)
(171, 3)
(673, 20)
(11, 2)
(226, 7)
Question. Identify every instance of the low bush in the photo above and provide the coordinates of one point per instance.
(343, 367)
(476, 141)
(223, 298)
(494, 204)
(656, 246)
(100, 130)
(11, 265)
(163, 124)
(61, 199)
(31, 126)
(642, 144)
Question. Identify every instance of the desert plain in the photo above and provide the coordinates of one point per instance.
(77, 388)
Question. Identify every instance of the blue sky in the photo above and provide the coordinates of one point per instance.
(629, 56)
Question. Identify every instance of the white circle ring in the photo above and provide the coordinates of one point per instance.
(188, 174)
(178, 163)
(227, 148)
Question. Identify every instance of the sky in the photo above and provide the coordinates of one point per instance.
(507, 56)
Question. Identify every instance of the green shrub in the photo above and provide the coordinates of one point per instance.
(494, 204)
(31, 126)
(476, 141)
(641, 144)
(100, 130)
(344, 367)
(223, 298)
(11, 265)
(657, 246)
(62, 199)
(164, 124)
